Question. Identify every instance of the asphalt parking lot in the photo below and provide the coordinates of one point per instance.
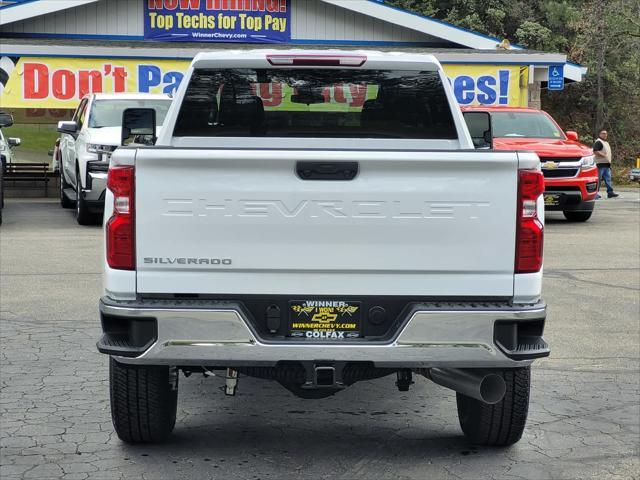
(585, 408)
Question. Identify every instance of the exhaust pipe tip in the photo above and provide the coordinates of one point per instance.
(482, 385)
(492, 388)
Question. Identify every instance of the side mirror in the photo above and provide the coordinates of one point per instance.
(14, 142)
(479, 125)
(70, 127)
(50, 153)
(138, 126)
(571, 135)
(6, 119)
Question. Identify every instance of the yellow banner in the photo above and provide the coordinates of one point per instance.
(489, 84)
(60, 83)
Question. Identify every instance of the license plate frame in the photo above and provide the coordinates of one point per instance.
(552, 199)
(325, 320)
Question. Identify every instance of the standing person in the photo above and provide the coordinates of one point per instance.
(602, 151)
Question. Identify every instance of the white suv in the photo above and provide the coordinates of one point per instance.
(6, 155)
(7, 143)
(86, 143)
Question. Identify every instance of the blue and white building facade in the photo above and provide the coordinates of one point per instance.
(52, 51)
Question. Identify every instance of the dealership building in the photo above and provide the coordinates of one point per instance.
(55, 51)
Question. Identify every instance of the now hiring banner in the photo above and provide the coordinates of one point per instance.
(246, 21)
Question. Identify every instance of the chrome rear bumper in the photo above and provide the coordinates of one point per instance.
(217, 334)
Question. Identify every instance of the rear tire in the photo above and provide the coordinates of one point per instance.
(503, 423)
(64, 200)
(144, 401)
(577, 216)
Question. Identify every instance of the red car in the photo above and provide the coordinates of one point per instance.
(570, 173)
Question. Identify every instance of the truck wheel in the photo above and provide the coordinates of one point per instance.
(577, 216)
(83, 215)
(144, 400)
(64, 200)
(500, 424)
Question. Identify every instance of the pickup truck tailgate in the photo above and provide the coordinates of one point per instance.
(411, 223)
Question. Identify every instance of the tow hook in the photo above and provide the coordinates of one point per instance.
(405, 380)
(231, 382)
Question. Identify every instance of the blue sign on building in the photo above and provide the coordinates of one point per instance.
(248, 21)
(556, 77)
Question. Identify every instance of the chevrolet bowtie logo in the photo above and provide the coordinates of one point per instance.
(550, 165)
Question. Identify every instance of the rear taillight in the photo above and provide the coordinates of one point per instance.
(121, 251)
(529, 230)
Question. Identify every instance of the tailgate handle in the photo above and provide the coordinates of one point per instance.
(327, 170)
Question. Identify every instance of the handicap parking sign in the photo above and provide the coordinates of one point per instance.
(556, 77)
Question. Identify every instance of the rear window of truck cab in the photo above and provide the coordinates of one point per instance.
(315, 103)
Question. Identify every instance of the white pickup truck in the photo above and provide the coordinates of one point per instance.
(318, 218)
(87, 141)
